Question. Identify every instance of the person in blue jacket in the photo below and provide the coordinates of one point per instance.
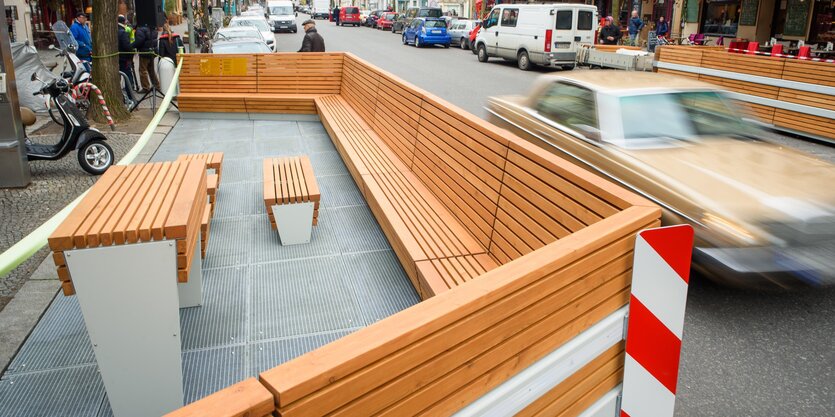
(662, 27)
(81, 32)
(634, 26)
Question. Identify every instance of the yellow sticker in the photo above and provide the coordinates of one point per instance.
(223, 67)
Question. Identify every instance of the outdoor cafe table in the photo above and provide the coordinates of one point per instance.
(131, 255)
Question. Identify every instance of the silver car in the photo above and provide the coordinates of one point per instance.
(459, 32)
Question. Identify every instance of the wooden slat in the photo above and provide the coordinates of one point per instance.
(245, 399)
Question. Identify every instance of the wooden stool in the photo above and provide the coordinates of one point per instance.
(291, 196)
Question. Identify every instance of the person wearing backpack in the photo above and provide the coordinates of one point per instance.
(145, 44)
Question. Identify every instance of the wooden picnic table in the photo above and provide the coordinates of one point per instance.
(129, 251)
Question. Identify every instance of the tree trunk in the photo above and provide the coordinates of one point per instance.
(106, 61)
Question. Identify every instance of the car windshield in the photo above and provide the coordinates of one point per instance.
(429, 13)
(259, 24)
(435, 24)
(240, 48)
(351, 10)
(389, 16)
(281, 10)
(237, 34)
(680, 115)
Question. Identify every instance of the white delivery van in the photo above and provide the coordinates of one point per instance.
(321, 9)
(537, 34)
(282, 15)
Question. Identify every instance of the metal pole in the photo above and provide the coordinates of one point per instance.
(190, 15)
(14, 167)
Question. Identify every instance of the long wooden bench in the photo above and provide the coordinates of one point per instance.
(247, 398)
(134, 204)
(514, 250)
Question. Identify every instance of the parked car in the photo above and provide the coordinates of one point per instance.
(364, 15)
(371, 20)
(459, 32)
(349, 15)
(399, 23)
(386, 20)
(257, 22)
(414, 13)
(238, 33)
(473, 35)
(537, 34)
(764, 214)
(243, 46)
(321, 9)
(426, 31)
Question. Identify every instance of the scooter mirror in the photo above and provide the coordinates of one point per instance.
(51, 46)
(35, 77)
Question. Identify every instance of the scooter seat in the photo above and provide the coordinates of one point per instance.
(50, 65)
(27, 116)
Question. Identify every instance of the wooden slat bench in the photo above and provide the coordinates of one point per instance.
(214, 163)
(290, 180)
(247, 398)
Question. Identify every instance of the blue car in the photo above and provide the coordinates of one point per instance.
(426, 31)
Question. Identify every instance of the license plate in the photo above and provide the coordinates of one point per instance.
(436, 32)
(282, 27)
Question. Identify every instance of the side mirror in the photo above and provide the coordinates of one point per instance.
(297, 14)
(34, 77)
(484, 24)
(51, 46)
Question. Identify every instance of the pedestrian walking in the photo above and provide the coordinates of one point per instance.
(313, 41)
(81, 32)
(634, 27)
(146, 40)
(661, 28)
(610, 34)
(336, 15)
(169, 43)
(125, 50)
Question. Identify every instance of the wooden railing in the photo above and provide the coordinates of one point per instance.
(793, 94)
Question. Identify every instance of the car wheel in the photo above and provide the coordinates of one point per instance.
(404, 39)
(568, 67)
(446, 46)
(482, 53)
(417, 42)
(463, 43)
(473, 48)
(523, 61)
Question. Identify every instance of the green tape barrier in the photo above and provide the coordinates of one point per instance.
(33, 242)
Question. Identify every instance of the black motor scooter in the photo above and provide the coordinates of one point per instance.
(94, 155)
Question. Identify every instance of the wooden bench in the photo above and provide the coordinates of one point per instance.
(289, 181)
(130, 251)
(214, 164)
(247, 398)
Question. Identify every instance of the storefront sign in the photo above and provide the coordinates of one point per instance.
(748, 15)
(797, 16)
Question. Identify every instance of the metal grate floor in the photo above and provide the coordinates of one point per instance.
(263, 303)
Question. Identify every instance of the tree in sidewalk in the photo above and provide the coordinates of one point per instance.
(106, 61)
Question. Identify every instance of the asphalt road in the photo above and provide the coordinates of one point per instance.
(744, 354)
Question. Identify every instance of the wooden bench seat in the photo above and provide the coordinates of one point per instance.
(134, 204)
(204, 230)
(290, 180)
(247, 398)
(436, 276)
(212, 160)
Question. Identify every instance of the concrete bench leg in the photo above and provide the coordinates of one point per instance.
(129, 300)
(294, 222)
(191, 292)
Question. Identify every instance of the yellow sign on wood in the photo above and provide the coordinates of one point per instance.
(228, 67)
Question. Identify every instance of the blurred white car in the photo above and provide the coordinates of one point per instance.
(257, 22)
(245, 46)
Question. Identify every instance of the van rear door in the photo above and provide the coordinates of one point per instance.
(564, 29)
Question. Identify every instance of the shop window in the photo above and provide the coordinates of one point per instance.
(823, 22)
(720, 18)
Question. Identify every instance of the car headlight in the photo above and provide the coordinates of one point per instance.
(729, 228)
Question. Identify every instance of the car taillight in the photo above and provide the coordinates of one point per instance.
(548, 40)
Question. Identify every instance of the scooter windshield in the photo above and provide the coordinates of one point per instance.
(63, 35)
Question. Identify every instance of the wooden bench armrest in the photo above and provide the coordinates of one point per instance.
(247, 398)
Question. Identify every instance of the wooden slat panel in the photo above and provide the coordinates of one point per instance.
(245, 399)
(208, 73)
(378, 367)
(312, 73)
(801, 122)
(818, 73)
(746, 64)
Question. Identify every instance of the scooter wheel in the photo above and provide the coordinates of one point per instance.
(95, 156)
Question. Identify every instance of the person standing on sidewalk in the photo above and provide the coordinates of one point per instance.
(610, 34)
(313, 41)
(146, 41)
(634, 26)
(81, 32)
(662, 28)
(125, 51)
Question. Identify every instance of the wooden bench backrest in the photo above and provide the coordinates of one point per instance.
(293, 73)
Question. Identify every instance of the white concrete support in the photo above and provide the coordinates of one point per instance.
(129, 299)
(191, 292)
(294, 222)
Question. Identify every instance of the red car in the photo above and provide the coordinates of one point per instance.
(349, 16)
(473, 34)
(386, 21)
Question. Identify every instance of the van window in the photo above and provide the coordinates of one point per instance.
(509, 17)
(429, 13)
(352, 10)
(493, 20)
(584, 20)
(564, 19)
(569, 105)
